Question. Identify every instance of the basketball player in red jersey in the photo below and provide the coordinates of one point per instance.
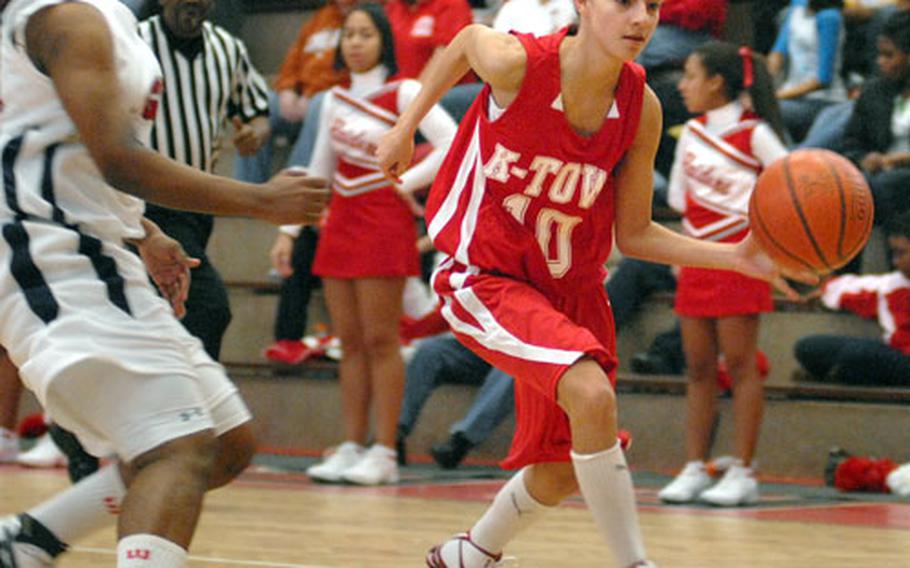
(558, 145)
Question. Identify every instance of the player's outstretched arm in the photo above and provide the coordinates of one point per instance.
(71, 44)
(639, 236)
(498, 59)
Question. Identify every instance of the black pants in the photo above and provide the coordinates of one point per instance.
(853, 361)
(208, 311)
(291, 316)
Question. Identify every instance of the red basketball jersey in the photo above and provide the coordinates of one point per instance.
(523, 194)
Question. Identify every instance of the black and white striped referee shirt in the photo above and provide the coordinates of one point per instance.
(207, 81)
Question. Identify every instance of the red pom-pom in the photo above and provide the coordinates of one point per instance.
(32, 426)
(863, 474)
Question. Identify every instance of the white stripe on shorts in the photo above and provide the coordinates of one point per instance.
(495, 337)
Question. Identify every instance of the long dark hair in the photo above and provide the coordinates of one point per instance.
(387, 56)
(729, 61)
(897, 29)
(819, 5)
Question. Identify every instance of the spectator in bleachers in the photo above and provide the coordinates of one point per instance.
(878, 134)
(629, 285)
(422, 28)
(538, 17)
(442, 359)
(718, 160)
(292, 257)
(886, 297)
(684, 25)
(830, 126)
(308, 70)
(367, 247)
(807, 57)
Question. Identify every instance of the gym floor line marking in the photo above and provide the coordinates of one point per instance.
(111, 552)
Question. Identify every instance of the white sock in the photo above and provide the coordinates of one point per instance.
(606, 485)
(149, 551)
(512, 511)
(81, 509)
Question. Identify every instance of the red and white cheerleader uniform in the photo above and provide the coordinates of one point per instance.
(369, 230)
(718, 159)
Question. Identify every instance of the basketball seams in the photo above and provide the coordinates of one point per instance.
(768, 238)
(843, 207)
(801, 214)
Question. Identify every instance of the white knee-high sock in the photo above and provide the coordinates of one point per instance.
(512, 511)
(92, 503)
(606, 485)
(149, 551)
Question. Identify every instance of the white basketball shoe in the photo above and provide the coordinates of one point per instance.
(331, 468)
(688, 485)
(737, 487)
(18, 554)
(461, 552)
(44, 454)
(378, 466)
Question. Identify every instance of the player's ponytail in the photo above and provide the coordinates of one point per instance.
(743, 70)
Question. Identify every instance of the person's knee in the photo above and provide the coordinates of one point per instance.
(194, 454)
(381, 344)
(236, 449)
(550, 483)
(741, 365)
(585, 393)
(700, 370)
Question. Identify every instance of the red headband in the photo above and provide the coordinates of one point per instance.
(746, 54)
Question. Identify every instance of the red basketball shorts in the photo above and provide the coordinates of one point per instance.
(535, 338)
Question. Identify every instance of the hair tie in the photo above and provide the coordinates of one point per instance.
(746, 54)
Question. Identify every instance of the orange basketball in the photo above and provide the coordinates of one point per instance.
(811, 210)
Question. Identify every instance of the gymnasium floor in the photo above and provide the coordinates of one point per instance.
(275, 517)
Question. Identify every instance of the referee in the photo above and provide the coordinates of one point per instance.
(208, 82)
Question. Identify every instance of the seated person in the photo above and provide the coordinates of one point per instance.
(807, 57)
(684, 25)
(422, 28)
(307, 71)
(878, 134)
(538, 17)
(442, 359)
(859, 361)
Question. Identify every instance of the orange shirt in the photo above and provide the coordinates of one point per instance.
(308, 65)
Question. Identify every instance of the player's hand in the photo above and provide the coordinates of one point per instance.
(394, 152)
(249, 136)
(752, 261)
(293, 197)
(281, 253)
(169, 267)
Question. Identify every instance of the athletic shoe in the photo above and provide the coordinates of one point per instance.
(450, 453)
(688, 485)
(19, 554)
(461, 552)
(343, 458)
(737, 487)
(287, 351)
(9, 446)
(44, 454)
(378, 466)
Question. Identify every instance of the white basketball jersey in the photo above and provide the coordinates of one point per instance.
(47, 172)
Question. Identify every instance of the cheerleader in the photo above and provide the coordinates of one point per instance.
(718, 159)
(367, 248)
